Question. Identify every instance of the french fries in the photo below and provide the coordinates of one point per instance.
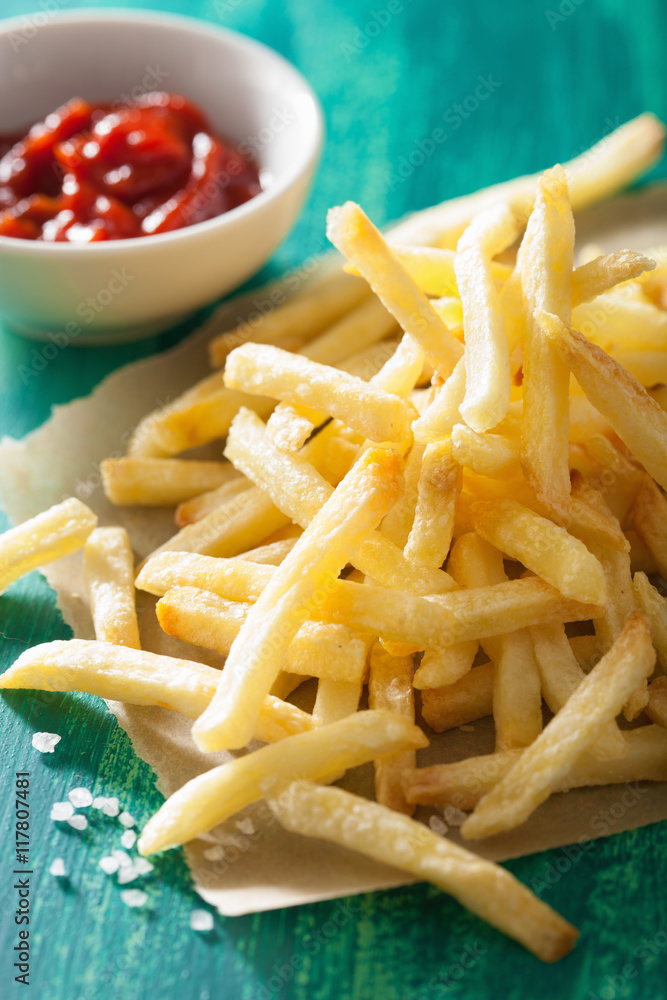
(57, 532)
(390, 690)
(371, 829)
(595, 703)
(161, 482)
(108, 566)
(298, 585)
(213, 796)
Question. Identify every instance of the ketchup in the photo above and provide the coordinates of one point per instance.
(93, 172)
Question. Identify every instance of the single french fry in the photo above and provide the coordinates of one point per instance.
(654, 606)
(365, 408)
(617, 322)
(161, 482)
(108, 566)
(649, 515)
(318, 649)
(298, 585)
(592, 520)
(487, 357)
(365, 325)
(587, 651)
(542, 546)
(54, 533)
(597, 173)
(545, 266)
(561, 675)
(191, 511)
(285, 683)
(635, 416)
(656, 708)
(648, 367)
(619, 479)
(336, 699)
(443, 413)
(403, 369)
(138, 677)
(465, 782)
(352, 232)
(301, 318)
(290, 426)
(437, 495)
(247, 519)
(440, 667)
(296, 487)
(270, 554)
(485, 888)
(215, 795)
(594, 704)
(466, 700)
(492, 455)
(398, 522)
(599, 275)
(432, 269)
(390, 690)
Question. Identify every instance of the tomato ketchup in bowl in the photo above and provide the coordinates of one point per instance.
(92, 172)
(151, 164)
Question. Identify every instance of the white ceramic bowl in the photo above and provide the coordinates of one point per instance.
(124, 289)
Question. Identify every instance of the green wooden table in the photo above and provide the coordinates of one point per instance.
(549, 82)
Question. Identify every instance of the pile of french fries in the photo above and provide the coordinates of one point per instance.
(443, 473)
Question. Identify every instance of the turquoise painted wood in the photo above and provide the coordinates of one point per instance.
(550, 77)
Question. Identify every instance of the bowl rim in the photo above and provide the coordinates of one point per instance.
(304, 164)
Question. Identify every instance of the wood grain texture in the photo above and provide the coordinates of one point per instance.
(558, 81)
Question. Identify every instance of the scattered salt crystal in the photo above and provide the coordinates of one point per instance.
(135, 869)
(109, 865)
(128, 839)
(80, 798)
(215, 853)
(246, 826)
(61, 810)
(111, 806)
(78, 822)
(235, 611)
(57, 868)
(45, 742)
(134, 897)
(454, 816)
(467, 729)
(121, 857)
(437, 825)
(126, 819)
(201, 920)
(98, 801)
(143, 866)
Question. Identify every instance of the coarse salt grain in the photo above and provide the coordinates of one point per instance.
(61, 811)
(78, 822)
(246, 826)
(109, 865)
(57, 868)
(201, 920)
(122, 858)
(111, 806)
(135, 869)
(143, 866)
(80, 798)
(437, 825)
(134, 897)
(45, 742)
(98, 802)
(454, 816)
(126, 819)
(128, 839)
(215, 853)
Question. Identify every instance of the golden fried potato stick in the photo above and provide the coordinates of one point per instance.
(108, 571)
(336, 699)
(386, 836)
(492, 455)
(54, 533)
(390, 690)
(372, 412)
(298, 490)
(599, 275)
(271, 554)
(161, 482)
(487, 356)
(607, 167)
(619, 479)
(199, 507)
(544, 264)
(561, 675)
(138, 677)
(432, 269)
(649, 516)
(621, 324)
(298, 586)
(437, 496)
(215, 795)
(440, 667)
(351, 231)
(656, 708)
(596, 702)
(464, 783)
(296, 321)
(654, 606)
(466, 700)
(443, 413)
(542, 546)
(634, 415)
(397, 524)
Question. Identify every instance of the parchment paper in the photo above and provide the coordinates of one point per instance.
(264, 867)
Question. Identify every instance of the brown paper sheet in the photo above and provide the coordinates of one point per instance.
(263, 866)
